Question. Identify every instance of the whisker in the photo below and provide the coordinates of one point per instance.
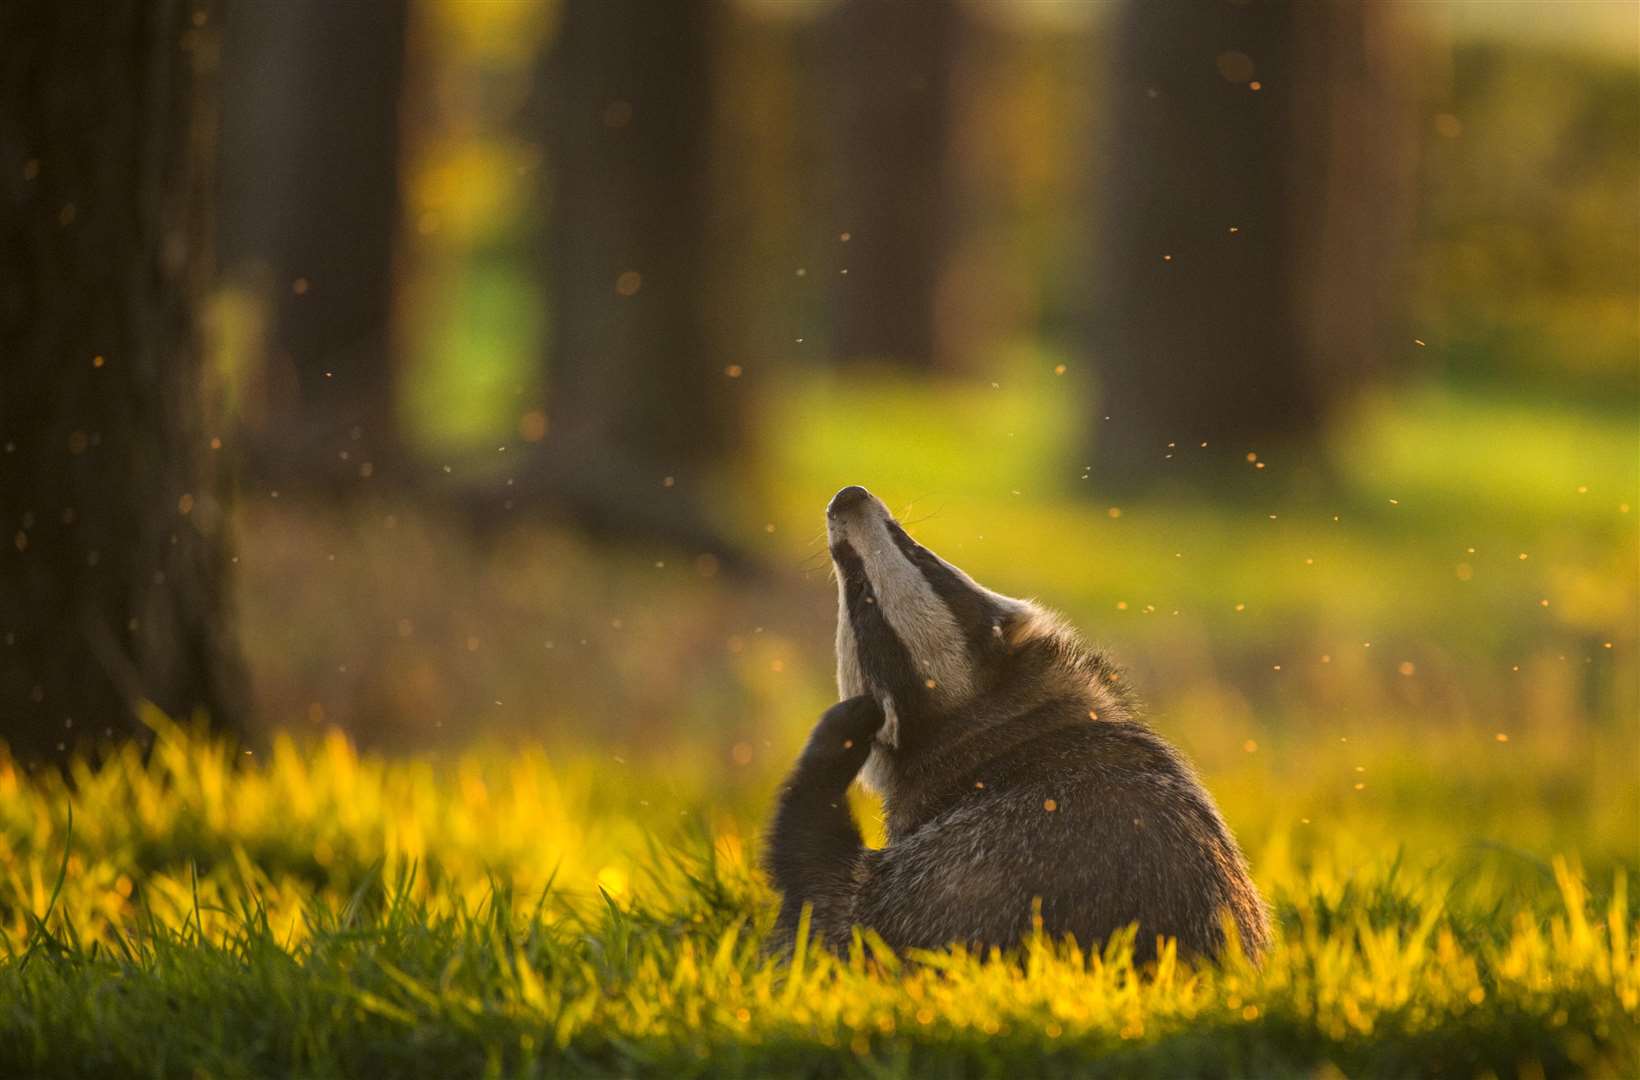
(934, 513)
(813, 558)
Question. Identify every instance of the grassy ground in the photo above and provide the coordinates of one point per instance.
(314, 912)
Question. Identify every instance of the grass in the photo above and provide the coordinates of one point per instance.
(311, 911)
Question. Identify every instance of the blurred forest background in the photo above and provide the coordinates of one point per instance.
(447, 371)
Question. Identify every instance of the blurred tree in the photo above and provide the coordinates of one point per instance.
(112, 574)
(1257, 182)
(309, 208)
(637, 391)
(892, 62)
(774, 168)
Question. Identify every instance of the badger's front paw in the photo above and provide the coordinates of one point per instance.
(843, 735)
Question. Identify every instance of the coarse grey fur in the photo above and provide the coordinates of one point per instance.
(1014, 774)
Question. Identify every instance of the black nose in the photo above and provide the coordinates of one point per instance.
(846, 500)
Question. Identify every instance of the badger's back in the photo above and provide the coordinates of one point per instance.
(1100, 821)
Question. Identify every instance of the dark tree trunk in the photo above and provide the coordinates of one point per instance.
(893, 63)
(1255, 180)
(637, 388)
(112, 575)
(309, 210)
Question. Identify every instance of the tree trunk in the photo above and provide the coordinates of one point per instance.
(637, 389)
(893, 61)
(1256, 180)
(309, 211)
(112, 572)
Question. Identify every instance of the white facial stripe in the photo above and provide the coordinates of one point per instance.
(851, 680)
(874, 774)
(919, 618)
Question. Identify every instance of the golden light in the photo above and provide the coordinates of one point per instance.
(532, 426)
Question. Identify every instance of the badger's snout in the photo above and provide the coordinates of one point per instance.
(855, 514)
(847, 501)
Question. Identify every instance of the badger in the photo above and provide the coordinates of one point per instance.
(1020, 789)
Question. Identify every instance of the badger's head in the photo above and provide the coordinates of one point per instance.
(918, 634)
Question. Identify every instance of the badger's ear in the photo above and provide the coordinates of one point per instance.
(1022, 623)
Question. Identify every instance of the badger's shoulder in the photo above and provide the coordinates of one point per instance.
(1102, 824)
(1073, 751)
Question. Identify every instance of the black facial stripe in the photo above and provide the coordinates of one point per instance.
(975, 612)
(883, 657)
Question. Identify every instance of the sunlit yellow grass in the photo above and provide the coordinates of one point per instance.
(620, 901)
